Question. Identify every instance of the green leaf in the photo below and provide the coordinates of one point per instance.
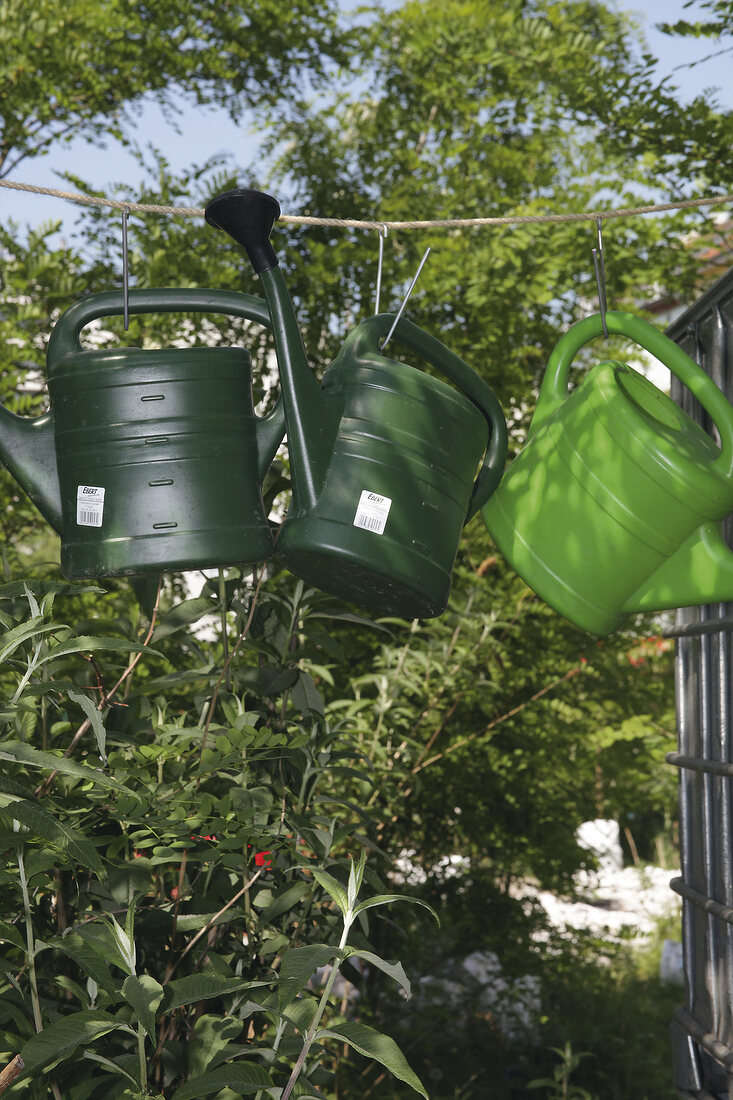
(299, 965)
(301, 1012)
(95, 718)
(145, 995)
(91, 961)
(272, 679)
(306, 697)
(191, 922)
(60, 1040)
(90, 644)
(211, 1042)
(19, 634)
(284, 900)
(372, 1044)
(108, 1064)
(183, 614)
(387, 899)
(124, 941)
(13, 589)
(32, 601)
(356, 877)
(10, 934)
(349, 617)
(199, 987)
(8, 786)
(395, 970)
(242, 1077)
(37, 758)
(42, 824)
(333, 888)
(103, 940)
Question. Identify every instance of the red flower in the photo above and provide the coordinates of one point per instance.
(261, 861)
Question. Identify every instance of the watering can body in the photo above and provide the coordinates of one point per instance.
(614, 504)
(396, 487)
(151, 460)
(383, 456)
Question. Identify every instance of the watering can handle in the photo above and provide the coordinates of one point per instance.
(369, 336)
(554, 389)
(64, 339)
(65, 336)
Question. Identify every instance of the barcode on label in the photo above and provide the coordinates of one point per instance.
(372, 523)
(89, 505)
(372, 511)
(89, 518)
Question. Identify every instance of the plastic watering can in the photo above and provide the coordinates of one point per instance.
(148, 460)
(383, 456)
(614, 504)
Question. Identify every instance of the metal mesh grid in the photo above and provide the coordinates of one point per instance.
(702, 1030)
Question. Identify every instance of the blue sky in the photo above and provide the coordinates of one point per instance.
(207, 133)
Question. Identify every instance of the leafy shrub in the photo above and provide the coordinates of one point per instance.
(175, 815)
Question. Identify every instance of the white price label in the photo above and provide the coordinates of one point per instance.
(89, 505)
(372, 512)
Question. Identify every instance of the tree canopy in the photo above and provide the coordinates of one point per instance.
(85, 70)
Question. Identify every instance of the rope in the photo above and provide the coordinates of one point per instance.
(352, 223)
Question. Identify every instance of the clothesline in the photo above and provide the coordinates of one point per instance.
(353, 223)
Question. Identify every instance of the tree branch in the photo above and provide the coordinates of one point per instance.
(44, 787)
(11, 1071)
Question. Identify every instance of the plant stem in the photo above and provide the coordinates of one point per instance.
(310, 1035)
(279, 1032)
(224, 635)
(141, 1057)
(30, 941)
(227, 664)
(44, 787)
(212, 922)
(28, 673)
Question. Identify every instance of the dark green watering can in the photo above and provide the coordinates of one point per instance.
(614, 504)
(148, 460)
(383, 456)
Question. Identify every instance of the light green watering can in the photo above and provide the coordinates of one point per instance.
(383, 456)
(614, 504)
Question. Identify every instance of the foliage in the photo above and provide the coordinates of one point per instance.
(83, 71)
(474, 109)
(717, 21)
(559, 1083)
(498, 728)
(176, 892)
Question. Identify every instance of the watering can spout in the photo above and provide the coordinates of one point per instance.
(27, 449)
(699, 572)
(248, 216)
(312, 416)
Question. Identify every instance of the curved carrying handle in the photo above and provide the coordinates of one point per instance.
(554, 389)
(366, 339)
(64, 339)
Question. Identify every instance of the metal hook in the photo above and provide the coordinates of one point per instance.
(600, 270)
(382, 231)
(125, 269)
(410, 289)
